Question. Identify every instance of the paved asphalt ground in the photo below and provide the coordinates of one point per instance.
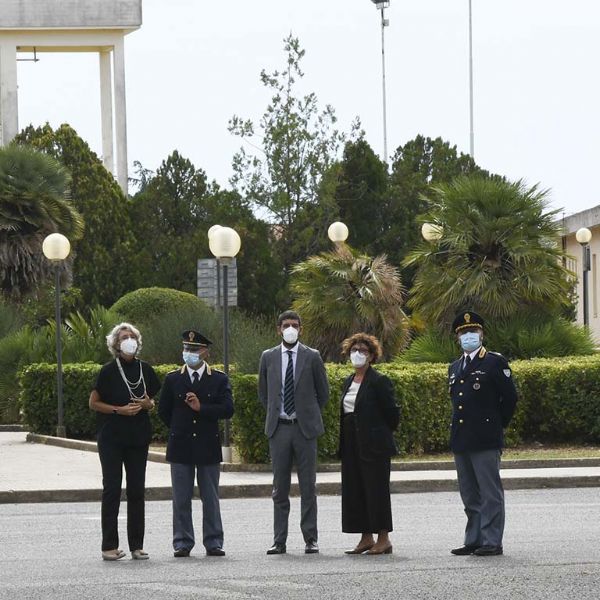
(551, 552)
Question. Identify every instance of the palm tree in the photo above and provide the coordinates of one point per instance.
(498, 253)
(342, 292)
(33, 204)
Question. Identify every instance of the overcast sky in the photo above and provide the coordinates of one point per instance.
(195, 63)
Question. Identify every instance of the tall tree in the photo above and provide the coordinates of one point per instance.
(287, 154)
(173, 213)
(498, 253)
(342, 292)
(361, 194)
(415, 166)
(33, 203)
(102, 265)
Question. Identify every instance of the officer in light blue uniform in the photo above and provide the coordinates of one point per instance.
(483, 397)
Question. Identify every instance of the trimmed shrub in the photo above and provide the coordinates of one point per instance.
(559, 403)
(145, 304)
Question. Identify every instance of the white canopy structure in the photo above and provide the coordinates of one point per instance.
(72, 26)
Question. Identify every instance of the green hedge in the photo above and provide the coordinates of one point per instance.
(560, 403)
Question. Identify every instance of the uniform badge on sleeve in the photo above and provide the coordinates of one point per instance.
(506, 372)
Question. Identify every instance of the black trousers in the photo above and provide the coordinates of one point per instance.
(114, 454)
(366, 504)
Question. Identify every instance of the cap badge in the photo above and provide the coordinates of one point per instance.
(467, 318)
(192, 336)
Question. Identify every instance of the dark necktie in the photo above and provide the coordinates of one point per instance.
(195, 378)
(288, 388)
(467, 362)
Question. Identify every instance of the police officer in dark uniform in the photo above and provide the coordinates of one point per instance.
(192, 401)
(483, 397)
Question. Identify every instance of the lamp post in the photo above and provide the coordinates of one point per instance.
(337, 232)
(584, 236)
(225, 243)
(56, 248)
(431, 233)
(381, 5)
(211, 231)
(471, 126)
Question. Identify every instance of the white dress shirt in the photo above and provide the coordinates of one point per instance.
(199, 370)
(472, 355)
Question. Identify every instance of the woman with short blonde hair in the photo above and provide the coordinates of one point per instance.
(122, 397)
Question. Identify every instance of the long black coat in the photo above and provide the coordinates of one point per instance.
(194, 436)
(376, 416)
(484, 398)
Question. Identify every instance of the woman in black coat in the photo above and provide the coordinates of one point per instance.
(368, 417)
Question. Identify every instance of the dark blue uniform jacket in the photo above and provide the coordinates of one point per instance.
(194, 436)
(483, 402)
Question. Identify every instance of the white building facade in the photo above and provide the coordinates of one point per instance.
(589, 219)
(100, 26)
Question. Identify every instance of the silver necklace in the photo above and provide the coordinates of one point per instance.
(132, 385)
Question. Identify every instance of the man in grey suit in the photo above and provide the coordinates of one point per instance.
(293, 388)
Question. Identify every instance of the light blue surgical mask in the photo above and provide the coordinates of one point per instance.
(470, 341)
(192, 359)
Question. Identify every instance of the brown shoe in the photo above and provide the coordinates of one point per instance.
(381, 550)
(360, 549)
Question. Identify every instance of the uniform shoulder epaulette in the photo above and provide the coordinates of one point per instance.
(172, 371)
(497, 354)
(218, 371)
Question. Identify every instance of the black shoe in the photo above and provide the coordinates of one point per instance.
(488, 551)
(181, 552)
(464, 550)
(311, 548)
(277, 549)
(215, 552)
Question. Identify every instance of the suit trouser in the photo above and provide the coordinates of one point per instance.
(287, 444)
(113, 455)
(182, 480)
(482, 495)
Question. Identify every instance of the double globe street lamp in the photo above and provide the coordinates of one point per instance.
(225, 243)
(56, 248)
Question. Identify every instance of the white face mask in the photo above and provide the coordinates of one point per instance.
(129, 346)
(290, 335)
(357, 359)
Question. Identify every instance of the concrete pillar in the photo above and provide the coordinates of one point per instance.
(106, 109)
(120, 113)
(9, 114)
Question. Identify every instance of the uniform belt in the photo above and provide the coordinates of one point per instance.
(287, 421)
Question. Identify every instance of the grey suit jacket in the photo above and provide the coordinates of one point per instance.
(311, 389)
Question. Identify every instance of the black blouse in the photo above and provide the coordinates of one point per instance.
(112, 390)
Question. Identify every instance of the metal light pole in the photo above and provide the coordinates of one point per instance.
(584, 237)
(471, 128)
(56, 247)
(381, 5)
(225, 243)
